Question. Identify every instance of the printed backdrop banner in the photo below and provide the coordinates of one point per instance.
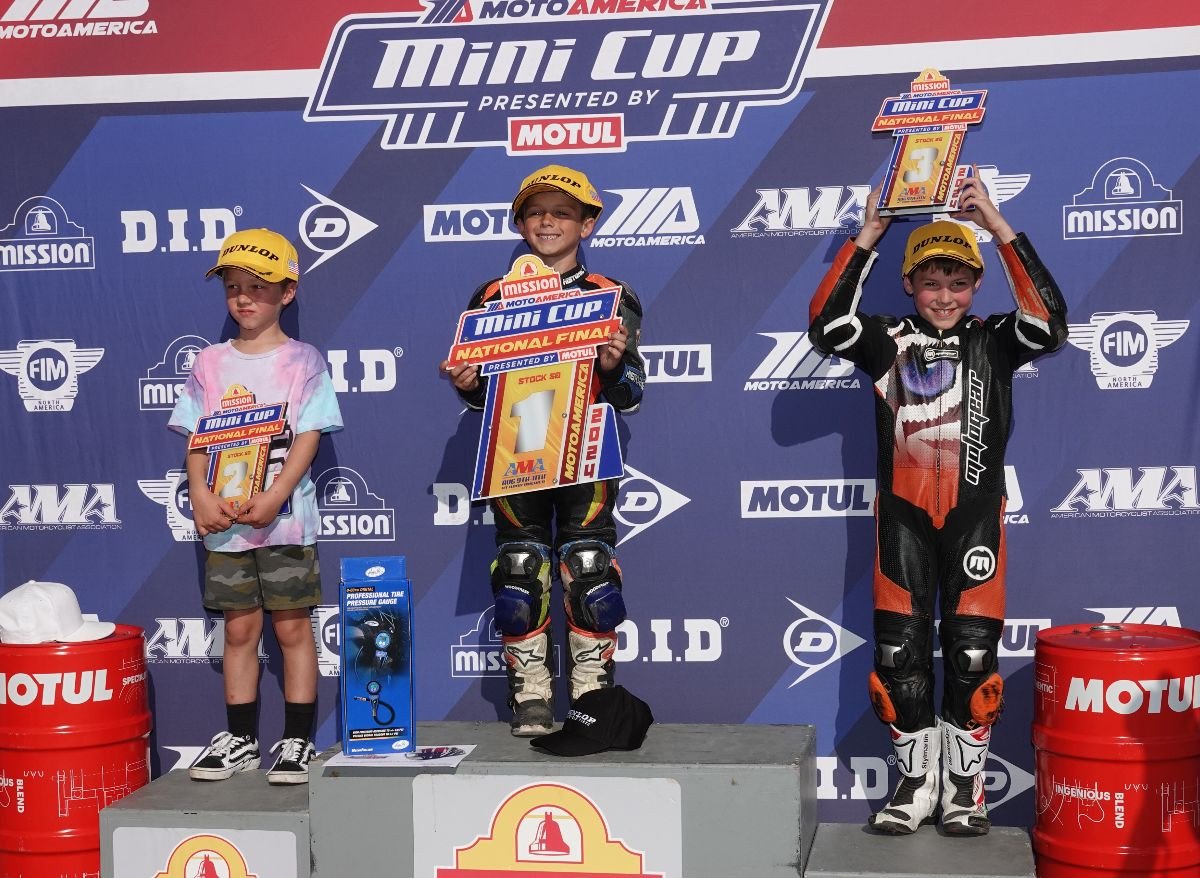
(731, 143)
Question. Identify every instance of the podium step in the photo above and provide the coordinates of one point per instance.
(744, 796)
(844, 850)
(175, 821)
(701, 801)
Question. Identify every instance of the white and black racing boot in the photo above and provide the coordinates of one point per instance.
(590, 660)
(530, 682)
(964, 752)
(915, 800)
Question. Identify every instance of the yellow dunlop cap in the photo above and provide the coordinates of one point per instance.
(557, 178)
(261, 252)
(942, 238)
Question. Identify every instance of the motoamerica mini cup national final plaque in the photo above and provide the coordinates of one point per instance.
(928, 123)
(538, 343)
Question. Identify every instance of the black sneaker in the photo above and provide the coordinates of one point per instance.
(224, 757)
(532, 717)
(292, 764)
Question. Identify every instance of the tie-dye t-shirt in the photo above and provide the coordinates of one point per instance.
(293, 373)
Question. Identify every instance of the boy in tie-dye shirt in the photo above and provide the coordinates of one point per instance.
(261, 553)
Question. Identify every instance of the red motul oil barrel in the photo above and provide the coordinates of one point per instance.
(74, 720)
(1116, 736)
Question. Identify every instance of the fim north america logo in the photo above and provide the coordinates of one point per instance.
(41, 237)
(564, 76)
(1123, 346)
(171, 492)
(47, 372)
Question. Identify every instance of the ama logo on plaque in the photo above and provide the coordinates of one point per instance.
(564, 76)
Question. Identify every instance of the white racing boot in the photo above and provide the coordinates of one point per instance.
(530, 683)
(915, 800)
(964, 752)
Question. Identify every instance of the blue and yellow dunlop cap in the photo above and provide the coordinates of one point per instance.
(557, 178)
(942, 238)
(261, 252)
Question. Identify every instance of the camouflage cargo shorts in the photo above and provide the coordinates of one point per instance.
(274, 577)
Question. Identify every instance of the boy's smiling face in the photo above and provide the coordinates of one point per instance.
(942, 298)
(552, 224)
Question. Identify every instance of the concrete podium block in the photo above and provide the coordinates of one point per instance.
(846, 850)
(747, 795)
(267, 824)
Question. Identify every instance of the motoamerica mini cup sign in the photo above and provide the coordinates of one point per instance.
(543, 76)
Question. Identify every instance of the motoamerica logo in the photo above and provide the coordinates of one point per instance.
(656, 217)
(552, 76)
(794, 364)
(91, 18)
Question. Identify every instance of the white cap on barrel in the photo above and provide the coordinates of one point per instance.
(41, 612)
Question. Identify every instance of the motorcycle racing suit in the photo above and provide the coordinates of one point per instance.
(943, 406)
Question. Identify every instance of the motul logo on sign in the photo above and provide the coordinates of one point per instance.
(1131, 696)
(72, 687)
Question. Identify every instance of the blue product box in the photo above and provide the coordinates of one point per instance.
(377, 656)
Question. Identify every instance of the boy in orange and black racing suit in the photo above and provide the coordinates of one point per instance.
(943, 406)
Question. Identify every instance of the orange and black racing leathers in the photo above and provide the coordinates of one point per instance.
(943, 408)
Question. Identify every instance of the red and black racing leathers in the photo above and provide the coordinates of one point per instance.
(943, 406)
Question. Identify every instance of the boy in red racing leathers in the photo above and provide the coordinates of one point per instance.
(943, 407)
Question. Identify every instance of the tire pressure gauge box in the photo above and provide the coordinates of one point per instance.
(377, 657)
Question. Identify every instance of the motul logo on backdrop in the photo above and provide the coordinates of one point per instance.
(73, 687)
(1179, 694)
